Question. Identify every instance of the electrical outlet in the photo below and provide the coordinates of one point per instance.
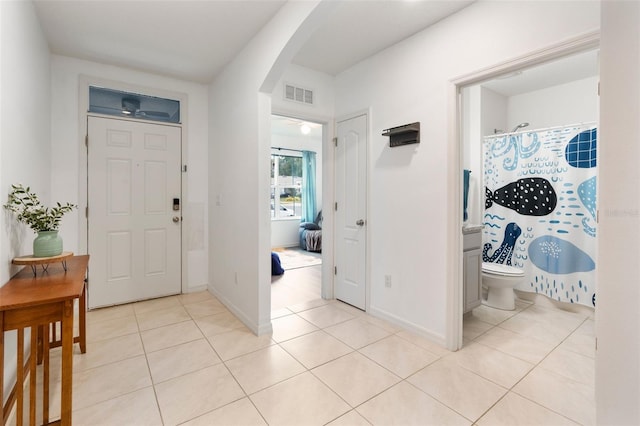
(387, 281)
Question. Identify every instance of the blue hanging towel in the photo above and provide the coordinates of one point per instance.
(467, 173)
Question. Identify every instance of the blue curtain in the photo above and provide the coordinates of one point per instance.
(308, 186)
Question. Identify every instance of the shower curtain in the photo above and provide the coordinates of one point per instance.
(540, 209)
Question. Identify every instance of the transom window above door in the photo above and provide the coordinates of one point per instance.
(133, 105)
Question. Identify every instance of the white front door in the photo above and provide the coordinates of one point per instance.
(351, 212)
(134, 232)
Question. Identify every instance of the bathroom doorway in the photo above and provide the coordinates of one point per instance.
(553, 94)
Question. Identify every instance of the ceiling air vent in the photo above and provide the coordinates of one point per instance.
(298, 94)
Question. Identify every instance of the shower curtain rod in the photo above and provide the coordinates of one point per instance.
(290, 149)
(586, 123)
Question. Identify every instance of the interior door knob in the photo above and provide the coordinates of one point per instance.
(176, 219)
(360, 222)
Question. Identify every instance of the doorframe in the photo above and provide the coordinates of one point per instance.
(83, 174)
(326, 290)
(586, 41)
(367, 233)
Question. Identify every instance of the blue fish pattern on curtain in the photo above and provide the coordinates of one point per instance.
(581, 150)
(504, 253)
(587, 194)
(529, 196)
(540, 208)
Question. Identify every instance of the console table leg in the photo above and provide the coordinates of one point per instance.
(82, 318)
(20, 379)
(2, 419)
(32, 376)
(67, 362)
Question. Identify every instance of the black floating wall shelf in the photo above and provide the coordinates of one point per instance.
(403, 135)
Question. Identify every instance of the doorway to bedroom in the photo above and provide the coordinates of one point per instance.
(296, 213)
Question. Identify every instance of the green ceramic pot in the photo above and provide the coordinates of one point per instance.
(47, 244)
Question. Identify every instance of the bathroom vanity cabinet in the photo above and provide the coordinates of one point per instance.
(472, 267)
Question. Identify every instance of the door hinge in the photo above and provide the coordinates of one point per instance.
(335, 141)
(598, 88)
(86, 141)
(335, 270)
(86, 212)
(184, 168)
(336, 206)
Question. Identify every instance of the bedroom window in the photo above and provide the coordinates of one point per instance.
(286, 183)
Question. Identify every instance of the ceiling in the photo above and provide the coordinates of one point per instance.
(190, 40)
(194, 39)
(553, 73)
(359, 29)
(292, 127)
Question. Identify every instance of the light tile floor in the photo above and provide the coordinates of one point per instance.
(188, 360)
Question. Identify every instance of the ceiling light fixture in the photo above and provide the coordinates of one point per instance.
(305, 129)
(130, 106)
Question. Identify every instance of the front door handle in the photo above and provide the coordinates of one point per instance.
(176, 219)
(360, 222)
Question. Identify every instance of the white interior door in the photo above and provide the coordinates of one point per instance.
(134, 232)
(351, 212)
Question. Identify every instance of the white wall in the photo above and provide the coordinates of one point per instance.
(494, 113)
(411, 187)
(284, 232)
(618, 297)
(564, 104)
(68, 151)
(239, 119)
(493, 116)
(485, 111)
(323, 91)
(25, 145)
(470, 131)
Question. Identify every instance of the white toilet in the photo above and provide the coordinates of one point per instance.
(500, 280)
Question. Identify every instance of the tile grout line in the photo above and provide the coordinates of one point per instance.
(536, 365)
(153, 385)
(352, 350)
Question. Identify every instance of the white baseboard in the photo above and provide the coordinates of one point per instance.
(257, 329)
(407, 325)
(197, 289)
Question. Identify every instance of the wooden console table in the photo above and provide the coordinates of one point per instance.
(36, 302)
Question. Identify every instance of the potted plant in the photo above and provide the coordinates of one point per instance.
(43, 220)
